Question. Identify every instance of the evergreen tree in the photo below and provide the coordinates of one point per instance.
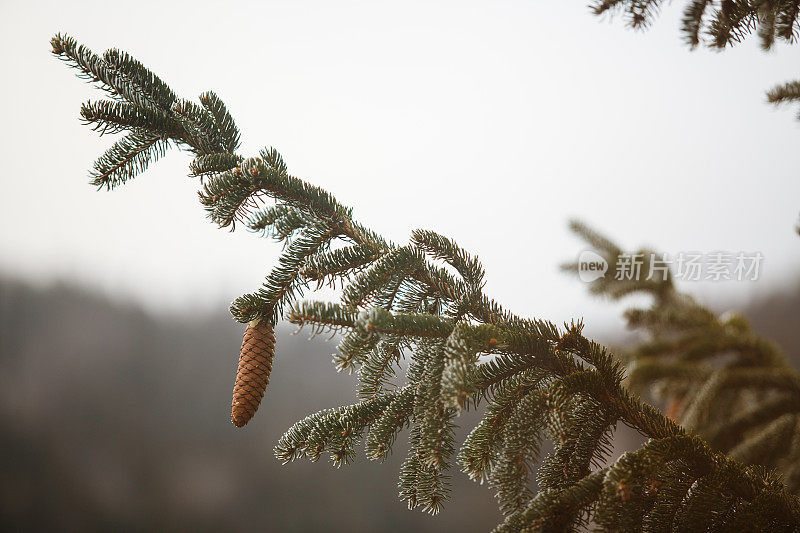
(716, 377)
(785, 93)
(424, 302)
(719, 23)
(723, 23)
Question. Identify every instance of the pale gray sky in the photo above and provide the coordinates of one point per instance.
(490, 122)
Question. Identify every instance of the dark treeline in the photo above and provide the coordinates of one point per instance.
(114, 419)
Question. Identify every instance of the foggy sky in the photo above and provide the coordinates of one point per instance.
(490, 122)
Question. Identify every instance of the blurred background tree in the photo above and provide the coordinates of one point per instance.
(714, 375)
(716, 24)
(720, 24)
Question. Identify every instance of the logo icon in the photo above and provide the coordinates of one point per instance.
(591, 266)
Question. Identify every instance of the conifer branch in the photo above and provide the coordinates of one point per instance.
(127, 158)
(724, 22)
(720, 379)
(424, 301)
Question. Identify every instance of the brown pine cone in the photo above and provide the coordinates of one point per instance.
(252, 376)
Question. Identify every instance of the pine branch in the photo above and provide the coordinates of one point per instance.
(725, 22)
(424, 301)
(786, 93)
(127, 158)
(720, 379)
(223, 121)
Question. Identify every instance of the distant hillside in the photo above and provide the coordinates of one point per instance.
(113, 419)
(777, 317)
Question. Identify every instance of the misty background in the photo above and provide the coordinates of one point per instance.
(492, 123)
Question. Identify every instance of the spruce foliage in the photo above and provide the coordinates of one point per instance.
(423, 303)
(718, 378)
(722, 23)
(786, 93)
(716, 24)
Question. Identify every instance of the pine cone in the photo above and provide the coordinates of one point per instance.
(252, 376)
